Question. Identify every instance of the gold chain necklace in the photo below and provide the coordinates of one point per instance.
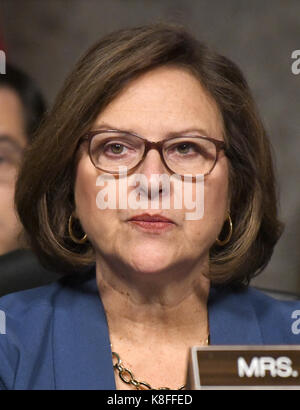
(127, 376)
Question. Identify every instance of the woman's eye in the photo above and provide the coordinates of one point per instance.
(185, 148)
(115, 148)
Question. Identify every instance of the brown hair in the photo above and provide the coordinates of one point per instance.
(44, 192)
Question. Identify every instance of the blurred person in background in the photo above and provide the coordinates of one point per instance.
(21, 109)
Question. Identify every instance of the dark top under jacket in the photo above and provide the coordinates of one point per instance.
(57, 335)
(20, 269)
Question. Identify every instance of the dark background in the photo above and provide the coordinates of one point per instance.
(46, 38)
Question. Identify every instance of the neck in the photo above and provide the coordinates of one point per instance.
(171, 304)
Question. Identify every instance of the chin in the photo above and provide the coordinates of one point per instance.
(150, 264)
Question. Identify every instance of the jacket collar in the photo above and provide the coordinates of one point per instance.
(81, 345)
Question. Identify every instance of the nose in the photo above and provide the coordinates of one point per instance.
(151, 167)
(152, 164)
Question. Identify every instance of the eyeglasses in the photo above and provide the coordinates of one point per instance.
(110, 149)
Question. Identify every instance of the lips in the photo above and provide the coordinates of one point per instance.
(155, 224)
(151, 218)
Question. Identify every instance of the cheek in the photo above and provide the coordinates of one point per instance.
(85, 196)
(84, 190)
(216, 198)
(99, 224)
(217, 201)
(204, 231)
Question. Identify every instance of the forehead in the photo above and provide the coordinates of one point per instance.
(163, 100)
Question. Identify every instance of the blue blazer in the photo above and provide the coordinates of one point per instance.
(57, 335)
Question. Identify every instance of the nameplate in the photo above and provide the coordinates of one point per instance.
(244, 367)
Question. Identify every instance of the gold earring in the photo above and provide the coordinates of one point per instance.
(227, 239)
(74, 239)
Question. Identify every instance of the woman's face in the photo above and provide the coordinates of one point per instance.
(12, 142)
(159, 102)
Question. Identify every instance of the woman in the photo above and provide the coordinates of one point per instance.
(149, 101)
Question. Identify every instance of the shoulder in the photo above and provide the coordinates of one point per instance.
(278, 320)
(23, 314)
(249, 316)
(26, 328)
(260, 301)
(266, 305)
(27, 310)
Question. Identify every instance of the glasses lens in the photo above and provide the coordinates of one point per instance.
(110, 150)
(190, 155)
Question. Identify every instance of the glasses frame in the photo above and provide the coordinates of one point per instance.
(158, 146)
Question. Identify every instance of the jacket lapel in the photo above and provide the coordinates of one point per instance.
(81, 346)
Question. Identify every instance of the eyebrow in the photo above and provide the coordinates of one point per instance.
(11, 141)
(106, 126)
